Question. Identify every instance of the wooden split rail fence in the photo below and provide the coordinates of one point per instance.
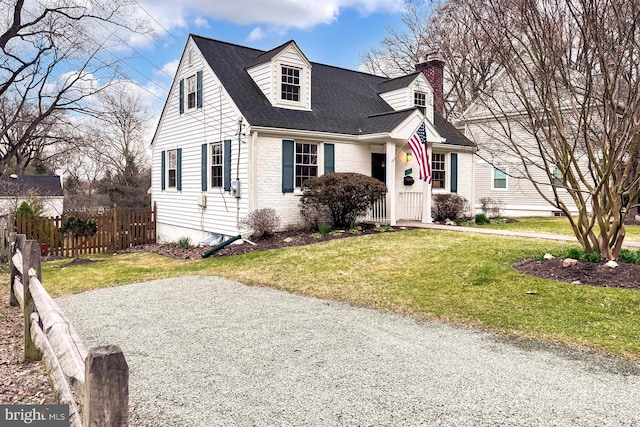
(98, 377)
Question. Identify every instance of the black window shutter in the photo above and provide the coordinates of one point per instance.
(227, 164)
(163, 170)
(329, 158)
(204, 167)
(287, 166)
(179, 169)
(199, 89)
(454, 172)
(181, 96)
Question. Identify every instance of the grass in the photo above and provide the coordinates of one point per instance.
(552, 225)
(461, 278)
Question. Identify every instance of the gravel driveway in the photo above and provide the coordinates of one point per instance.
(205, 351)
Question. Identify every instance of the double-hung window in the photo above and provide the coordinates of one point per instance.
(191, 92)
(499, 179)
(306, 156)
(172, 168)
(556, 178)
(216, 162)
(438, 170)
(420, 99)
(290, 88)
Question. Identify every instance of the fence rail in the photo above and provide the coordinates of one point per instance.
(117, 230)
(99, 377)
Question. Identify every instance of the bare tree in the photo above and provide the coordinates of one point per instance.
(22, 144)
(570, 84)
(400, 50)
(453, 32)
(115, 140)
(53, 54)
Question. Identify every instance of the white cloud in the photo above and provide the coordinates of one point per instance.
(256, 34)
(280, 13)
(169, 69)
(201, 22)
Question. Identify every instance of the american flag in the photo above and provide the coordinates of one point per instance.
(420, 149)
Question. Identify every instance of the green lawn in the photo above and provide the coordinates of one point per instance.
(551, 225)
(461, 278)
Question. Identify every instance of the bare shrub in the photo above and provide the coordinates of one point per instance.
(263, 222)
(491, 207)
(448, 206)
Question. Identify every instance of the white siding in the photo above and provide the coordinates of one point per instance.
(520, 198)
(398, 99)
(51, 206)
(262, 76)
(403, 98)
(178, 211)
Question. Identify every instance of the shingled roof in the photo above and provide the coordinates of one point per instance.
(342, 101)
(36, 185)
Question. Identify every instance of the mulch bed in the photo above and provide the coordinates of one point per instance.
(279, 240)
(588, 273)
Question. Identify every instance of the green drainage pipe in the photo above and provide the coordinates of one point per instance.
(220, 246)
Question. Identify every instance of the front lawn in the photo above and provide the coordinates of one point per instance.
(550, 225)
(461, 278)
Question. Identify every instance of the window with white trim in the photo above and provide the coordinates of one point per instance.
(172, 168)
(438, 174)
(420, 99)
(556, 177)
(191, 92)
(306, 162)
(215, 164)
(499, 179)
(290, 86)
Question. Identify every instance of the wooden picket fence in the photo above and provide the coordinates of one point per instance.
(117, 230)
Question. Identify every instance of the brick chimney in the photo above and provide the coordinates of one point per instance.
(433, 70)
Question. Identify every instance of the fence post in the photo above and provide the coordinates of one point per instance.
(13, 245)
(106, 394)
(114, 231)
(30, 260)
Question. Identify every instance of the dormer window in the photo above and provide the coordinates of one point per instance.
(284, 76)
(290, 88)
(420, 99)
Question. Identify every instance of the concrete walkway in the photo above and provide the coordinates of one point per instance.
(418, 224)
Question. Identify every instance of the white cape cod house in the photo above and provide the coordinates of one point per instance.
(243, 128)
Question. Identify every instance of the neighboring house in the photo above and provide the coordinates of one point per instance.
(43, 189)
(242, 129)
(498, 173)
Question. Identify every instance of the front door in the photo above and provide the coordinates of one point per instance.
(378, 169)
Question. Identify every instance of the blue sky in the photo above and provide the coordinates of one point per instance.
(334, 32)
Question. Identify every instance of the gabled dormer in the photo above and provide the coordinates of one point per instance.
(412, 90)
(283, 75)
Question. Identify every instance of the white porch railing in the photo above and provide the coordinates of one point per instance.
(411, 206)
(378, 212)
